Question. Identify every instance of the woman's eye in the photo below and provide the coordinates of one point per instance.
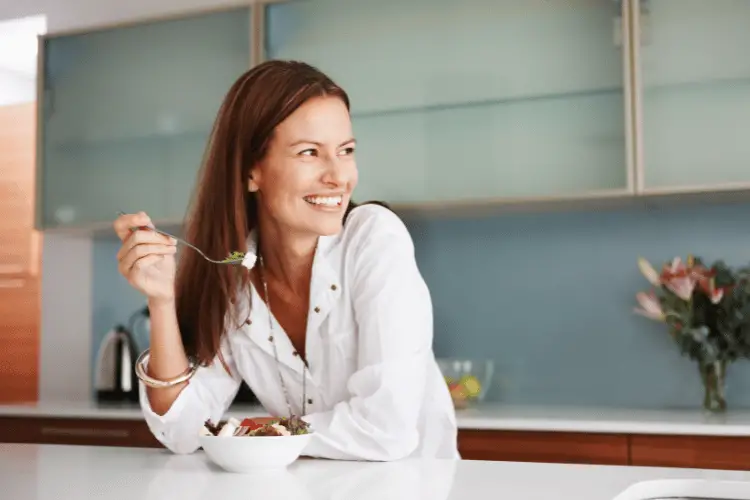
(309, 152)
(348, 151)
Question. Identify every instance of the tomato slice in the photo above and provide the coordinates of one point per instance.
(251, 424)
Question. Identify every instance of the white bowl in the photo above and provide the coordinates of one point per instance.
(251, 453)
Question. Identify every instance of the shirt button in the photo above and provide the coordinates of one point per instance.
(309, 401)
(270, 339)
(317, 309)
(248, 321)
(295, 353)
(333, 287)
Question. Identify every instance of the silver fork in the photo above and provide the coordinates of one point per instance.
(229, 260)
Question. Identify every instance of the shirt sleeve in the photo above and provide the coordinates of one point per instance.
(393, 312)
(207, 395)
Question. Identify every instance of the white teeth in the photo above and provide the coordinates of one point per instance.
(329, 201)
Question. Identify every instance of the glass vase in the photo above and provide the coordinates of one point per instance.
(713, 376)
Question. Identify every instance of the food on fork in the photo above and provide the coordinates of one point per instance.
(234, 257)
(293, 426)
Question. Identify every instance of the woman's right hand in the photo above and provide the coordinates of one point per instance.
(146, 258)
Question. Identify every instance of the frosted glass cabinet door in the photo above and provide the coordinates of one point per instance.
(127, 113)
(472, 99)
(695, 72)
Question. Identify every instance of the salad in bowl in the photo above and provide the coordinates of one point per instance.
(246, 445)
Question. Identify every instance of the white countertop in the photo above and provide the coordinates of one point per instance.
(51, 472)
(488, 416)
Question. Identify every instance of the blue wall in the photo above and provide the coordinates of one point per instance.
(549, 297)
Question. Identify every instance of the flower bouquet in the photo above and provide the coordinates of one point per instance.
(707, 313)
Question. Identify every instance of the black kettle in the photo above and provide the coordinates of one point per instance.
(115, 378)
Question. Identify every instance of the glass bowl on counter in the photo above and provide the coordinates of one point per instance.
(468, 379)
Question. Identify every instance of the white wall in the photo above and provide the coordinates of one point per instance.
(67, 261)
(16, 88)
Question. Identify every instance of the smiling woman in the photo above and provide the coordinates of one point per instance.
(329, 320)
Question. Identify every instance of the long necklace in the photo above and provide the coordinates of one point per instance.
(272, 338)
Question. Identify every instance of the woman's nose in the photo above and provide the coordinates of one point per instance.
(336, 172)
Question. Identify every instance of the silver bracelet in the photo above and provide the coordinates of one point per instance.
(140, 371)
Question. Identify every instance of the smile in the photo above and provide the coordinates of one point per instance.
(325, 201)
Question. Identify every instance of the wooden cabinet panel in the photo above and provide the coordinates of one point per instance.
(704, 452)
(555, 447)
(20, 244)
(96, 432)
(20, 256)
(20, 301)
(20, 326)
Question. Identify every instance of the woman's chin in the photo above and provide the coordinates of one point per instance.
(328, 228)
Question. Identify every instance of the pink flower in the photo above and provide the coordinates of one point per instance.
(650, 306)
(708, 285)
(678, 279)
(648, 271)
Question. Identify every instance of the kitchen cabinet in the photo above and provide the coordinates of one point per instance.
(78, 431)
(20, 255)
(127, 112)
(693, 89)
(703, 452)
(473, 103)
(539, 446)
(475, 100)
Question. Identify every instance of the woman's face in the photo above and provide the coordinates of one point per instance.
(309, 172)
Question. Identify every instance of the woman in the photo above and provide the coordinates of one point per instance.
(329, 319)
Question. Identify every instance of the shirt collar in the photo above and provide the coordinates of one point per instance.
(324, 265)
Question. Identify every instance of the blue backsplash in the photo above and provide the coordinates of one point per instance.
(549, 297)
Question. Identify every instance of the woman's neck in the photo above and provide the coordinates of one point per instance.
(288, 258)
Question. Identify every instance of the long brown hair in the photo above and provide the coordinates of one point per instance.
(223, 211)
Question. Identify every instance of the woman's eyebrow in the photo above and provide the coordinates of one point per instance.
(351, 140)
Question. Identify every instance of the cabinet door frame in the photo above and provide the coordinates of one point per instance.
(626, 33)
(625, 40)
(255, 9)
(713, 190)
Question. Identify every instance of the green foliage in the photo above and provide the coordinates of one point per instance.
(707, 330)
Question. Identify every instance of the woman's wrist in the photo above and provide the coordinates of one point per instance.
(161, 304)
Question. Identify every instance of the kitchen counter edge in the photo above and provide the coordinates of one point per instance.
(489, 417)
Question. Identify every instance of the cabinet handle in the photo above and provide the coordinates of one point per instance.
(12, 283)
(11, 269)
(85, 432)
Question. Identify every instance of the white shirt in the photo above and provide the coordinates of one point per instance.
(376, 390)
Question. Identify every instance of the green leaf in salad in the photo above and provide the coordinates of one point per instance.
(234, 257)
(295, 425)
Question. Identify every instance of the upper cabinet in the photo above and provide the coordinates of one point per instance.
(465, 102)
(126, 113)
(694, 94)
(473, 100)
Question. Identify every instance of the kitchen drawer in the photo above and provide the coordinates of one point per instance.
(20, 301)
(92, 432)
(703, 452)
(20, 328)
(20, 249)
(551, 447)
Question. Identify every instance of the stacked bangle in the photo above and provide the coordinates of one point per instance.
(140, 371)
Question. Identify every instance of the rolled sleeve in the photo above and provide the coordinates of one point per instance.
(207, 395)
(393, 311)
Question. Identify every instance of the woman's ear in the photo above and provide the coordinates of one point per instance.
(252, 180)
(251, 185)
